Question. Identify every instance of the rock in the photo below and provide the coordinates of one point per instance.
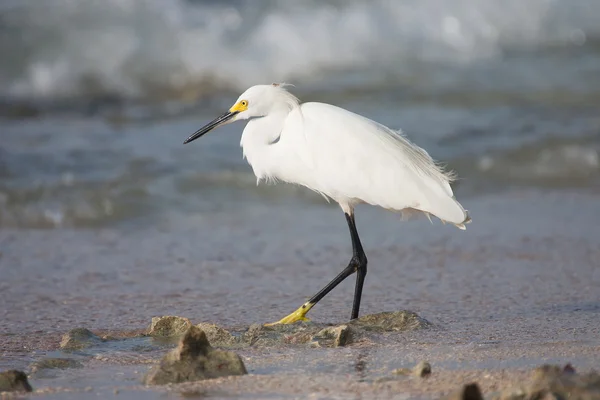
(335, 336)
(470, 391)
(569, 368)
(14, 381)
(554, 382)
(402, 371)
(79, 338)
(54, 363)
(168, 326)
(276, 335)
(391, 321)
(218, 336)
(422, 369)
(253, 333)
(194, 359)
(365, 328)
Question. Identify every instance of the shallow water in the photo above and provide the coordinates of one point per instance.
(107, 220)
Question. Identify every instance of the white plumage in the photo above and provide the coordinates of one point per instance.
(343, 156)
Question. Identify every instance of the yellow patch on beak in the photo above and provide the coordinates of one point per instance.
(239, 106)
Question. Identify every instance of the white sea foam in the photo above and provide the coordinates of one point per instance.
(132, 48)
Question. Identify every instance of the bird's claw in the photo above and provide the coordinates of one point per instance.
(290, 319)
(298, 315)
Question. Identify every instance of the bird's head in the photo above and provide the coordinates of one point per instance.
(257, 101)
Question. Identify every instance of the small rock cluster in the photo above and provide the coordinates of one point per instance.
(196, 359)
(546, 382)
(314, 335)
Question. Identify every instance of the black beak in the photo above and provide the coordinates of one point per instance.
(211, 125)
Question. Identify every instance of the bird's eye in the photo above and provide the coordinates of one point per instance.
(244, 103)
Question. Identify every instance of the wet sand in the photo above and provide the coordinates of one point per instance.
(518, 289)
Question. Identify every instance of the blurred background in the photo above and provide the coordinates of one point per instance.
(96, 97)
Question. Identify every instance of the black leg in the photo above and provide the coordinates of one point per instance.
(358, 264)
(359, 259)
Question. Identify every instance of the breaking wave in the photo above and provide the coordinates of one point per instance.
(185, 48)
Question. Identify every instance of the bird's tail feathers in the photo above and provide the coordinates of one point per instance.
(467, 220)
(451, 212)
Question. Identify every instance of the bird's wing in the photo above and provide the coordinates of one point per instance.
(357, 159)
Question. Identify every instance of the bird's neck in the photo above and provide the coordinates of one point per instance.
(260, 142)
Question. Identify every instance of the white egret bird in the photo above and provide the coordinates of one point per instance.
(343, 156)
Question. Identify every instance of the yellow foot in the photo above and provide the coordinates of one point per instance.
(298, 315)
